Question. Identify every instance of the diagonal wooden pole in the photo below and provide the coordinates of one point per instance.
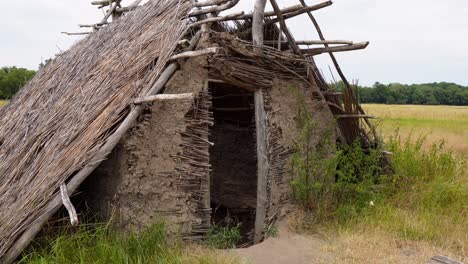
(338, 69)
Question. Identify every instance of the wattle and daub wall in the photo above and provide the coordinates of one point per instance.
(161, 169)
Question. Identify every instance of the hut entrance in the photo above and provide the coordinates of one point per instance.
(233, 190)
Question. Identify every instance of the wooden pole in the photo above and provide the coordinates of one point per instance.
(189, 54)
(317, 51)
(338, 68)
(260, 124)
(262, 165)
(257, 24)
(284, 28)
(163, 97)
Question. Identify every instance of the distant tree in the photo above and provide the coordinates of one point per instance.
(428, 94)
(12, 79)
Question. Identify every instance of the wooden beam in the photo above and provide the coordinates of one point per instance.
(317, 51)
(75, 33)
(131, 7)
(284, 28)
(103, 2)
(217, 19)
(289, 15)
(257, 25)
(209, 3)
(301, 11)
(337, 66)
(262, 166)
(215, 9)
(314, 42)
(163, 97)
(189, 54)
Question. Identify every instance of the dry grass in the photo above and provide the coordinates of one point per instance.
(3, 102)
(449, 123)
(376, 246)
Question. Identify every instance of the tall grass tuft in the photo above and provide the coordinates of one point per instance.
(102, 244)
(425, 199)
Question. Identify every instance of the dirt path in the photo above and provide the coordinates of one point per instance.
(287, 248)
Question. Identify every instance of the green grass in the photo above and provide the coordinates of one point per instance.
(101, 244)
(426, 199)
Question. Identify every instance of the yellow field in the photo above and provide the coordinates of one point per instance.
(448, 123)
(2, 103)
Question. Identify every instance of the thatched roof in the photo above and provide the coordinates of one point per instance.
(58, 121)
(70, 115)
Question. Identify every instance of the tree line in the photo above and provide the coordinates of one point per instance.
(12, 79)
(441, 93)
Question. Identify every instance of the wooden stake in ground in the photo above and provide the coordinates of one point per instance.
(260, 122)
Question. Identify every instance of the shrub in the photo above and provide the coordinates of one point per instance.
(224, 237)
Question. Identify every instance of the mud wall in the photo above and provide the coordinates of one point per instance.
(282, 104)
(144, 180)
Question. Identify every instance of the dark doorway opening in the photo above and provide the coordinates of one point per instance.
(233, 180)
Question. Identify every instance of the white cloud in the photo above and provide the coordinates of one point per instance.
(411, 41)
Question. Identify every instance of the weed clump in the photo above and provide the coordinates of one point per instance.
(224, 237)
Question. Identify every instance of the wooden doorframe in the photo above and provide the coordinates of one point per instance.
(262, 165)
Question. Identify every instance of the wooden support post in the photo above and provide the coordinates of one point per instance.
(262, 165)
(206, 183)
(257, 25)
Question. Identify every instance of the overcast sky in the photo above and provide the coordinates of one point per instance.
(411, 41)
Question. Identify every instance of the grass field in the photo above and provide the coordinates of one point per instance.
(2, 103)
(448, 123)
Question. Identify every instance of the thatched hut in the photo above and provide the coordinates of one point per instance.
(170, 112)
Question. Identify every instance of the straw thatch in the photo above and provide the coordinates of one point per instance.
(58, 122)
